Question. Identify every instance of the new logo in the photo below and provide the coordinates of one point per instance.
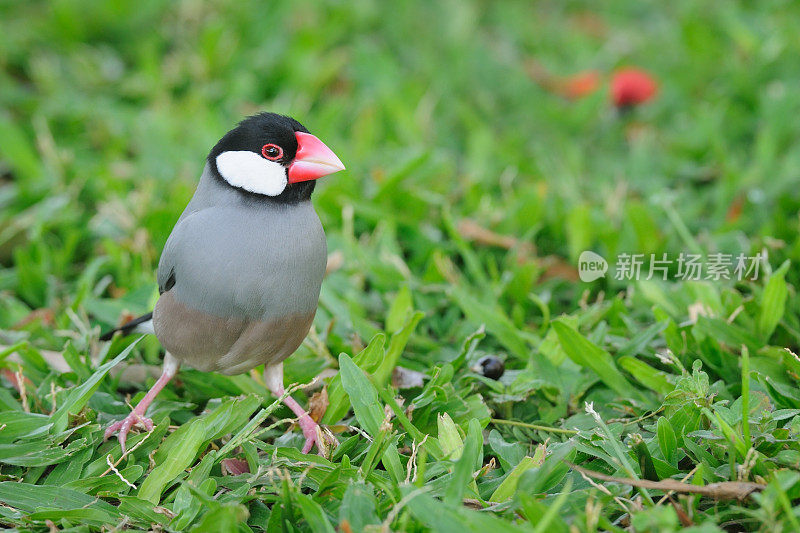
(591, 266)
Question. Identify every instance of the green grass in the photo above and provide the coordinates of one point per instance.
(107, 110)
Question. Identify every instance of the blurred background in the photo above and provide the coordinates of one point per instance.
(487, 144)
(483, 143)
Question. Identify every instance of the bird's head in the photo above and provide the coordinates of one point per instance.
(272, 155)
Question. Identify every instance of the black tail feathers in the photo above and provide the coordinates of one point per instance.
(128, 327)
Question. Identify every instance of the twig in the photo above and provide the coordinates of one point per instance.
(53, 396)
(604, 490)
(127, 453)
(273, 425)
(687, 476)
(412, 461)
(725, 490)
(360, 432)
(620, 456)
(23, 395)
(627, 422)
(117, 472)
(250, 429)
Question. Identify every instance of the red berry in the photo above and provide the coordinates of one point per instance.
(632, 86)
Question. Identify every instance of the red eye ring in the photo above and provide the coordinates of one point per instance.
(273, 152)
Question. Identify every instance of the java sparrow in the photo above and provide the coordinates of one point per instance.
(240, 275)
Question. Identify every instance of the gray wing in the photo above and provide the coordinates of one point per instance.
(166, 266)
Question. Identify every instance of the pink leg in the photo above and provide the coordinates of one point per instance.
(136, 416)
(306, 423)
(273, 375)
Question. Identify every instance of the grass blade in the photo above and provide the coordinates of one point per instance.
(585, 353)
(362, 394)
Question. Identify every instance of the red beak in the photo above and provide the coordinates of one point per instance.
(313, 159)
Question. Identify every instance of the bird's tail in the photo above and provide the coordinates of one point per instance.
(142, 324)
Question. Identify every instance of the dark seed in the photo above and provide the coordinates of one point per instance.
(492, 367)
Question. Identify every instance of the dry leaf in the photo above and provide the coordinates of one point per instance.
(472, 231)
(46, 316)
(163, 510)
(326, 441)
(556, 267)
(735, 209)
(571, 87)
(471, 503)
(318, 404)
(11, 376)
(234, 467)
(579, 84)
(405, 378)
(686, 520)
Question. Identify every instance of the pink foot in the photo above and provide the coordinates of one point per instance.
(273, 375)
(124, 426)
(311, 433)
(137, 415)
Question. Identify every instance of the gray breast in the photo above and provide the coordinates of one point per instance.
(247, 277)
(247, 263)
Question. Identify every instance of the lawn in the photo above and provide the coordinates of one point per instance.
(482, 161)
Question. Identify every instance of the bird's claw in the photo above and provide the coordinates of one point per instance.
(124, 426)
(311, 435)
(321, 436)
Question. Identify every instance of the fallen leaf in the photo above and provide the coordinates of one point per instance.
(326, 442)
(556, 267)
(405, 378)
(571, 87)
(474, 232)
(126, 317)
(471, 230)
(686, 520)
(318, 404)
(735, 209)
(163, 510)
(471, 503)
(46, 316)
(579, 85)
(11, 376)
(234, 467)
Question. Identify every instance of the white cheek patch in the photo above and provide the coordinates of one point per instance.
(252, 172)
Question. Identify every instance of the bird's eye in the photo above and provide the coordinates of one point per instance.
(273, 152)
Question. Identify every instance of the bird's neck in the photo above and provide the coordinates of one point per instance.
(213, 191)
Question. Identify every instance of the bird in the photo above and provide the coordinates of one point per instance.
(240, 274)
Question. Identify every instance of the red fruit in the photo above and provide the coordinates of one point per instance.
(632, 86)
